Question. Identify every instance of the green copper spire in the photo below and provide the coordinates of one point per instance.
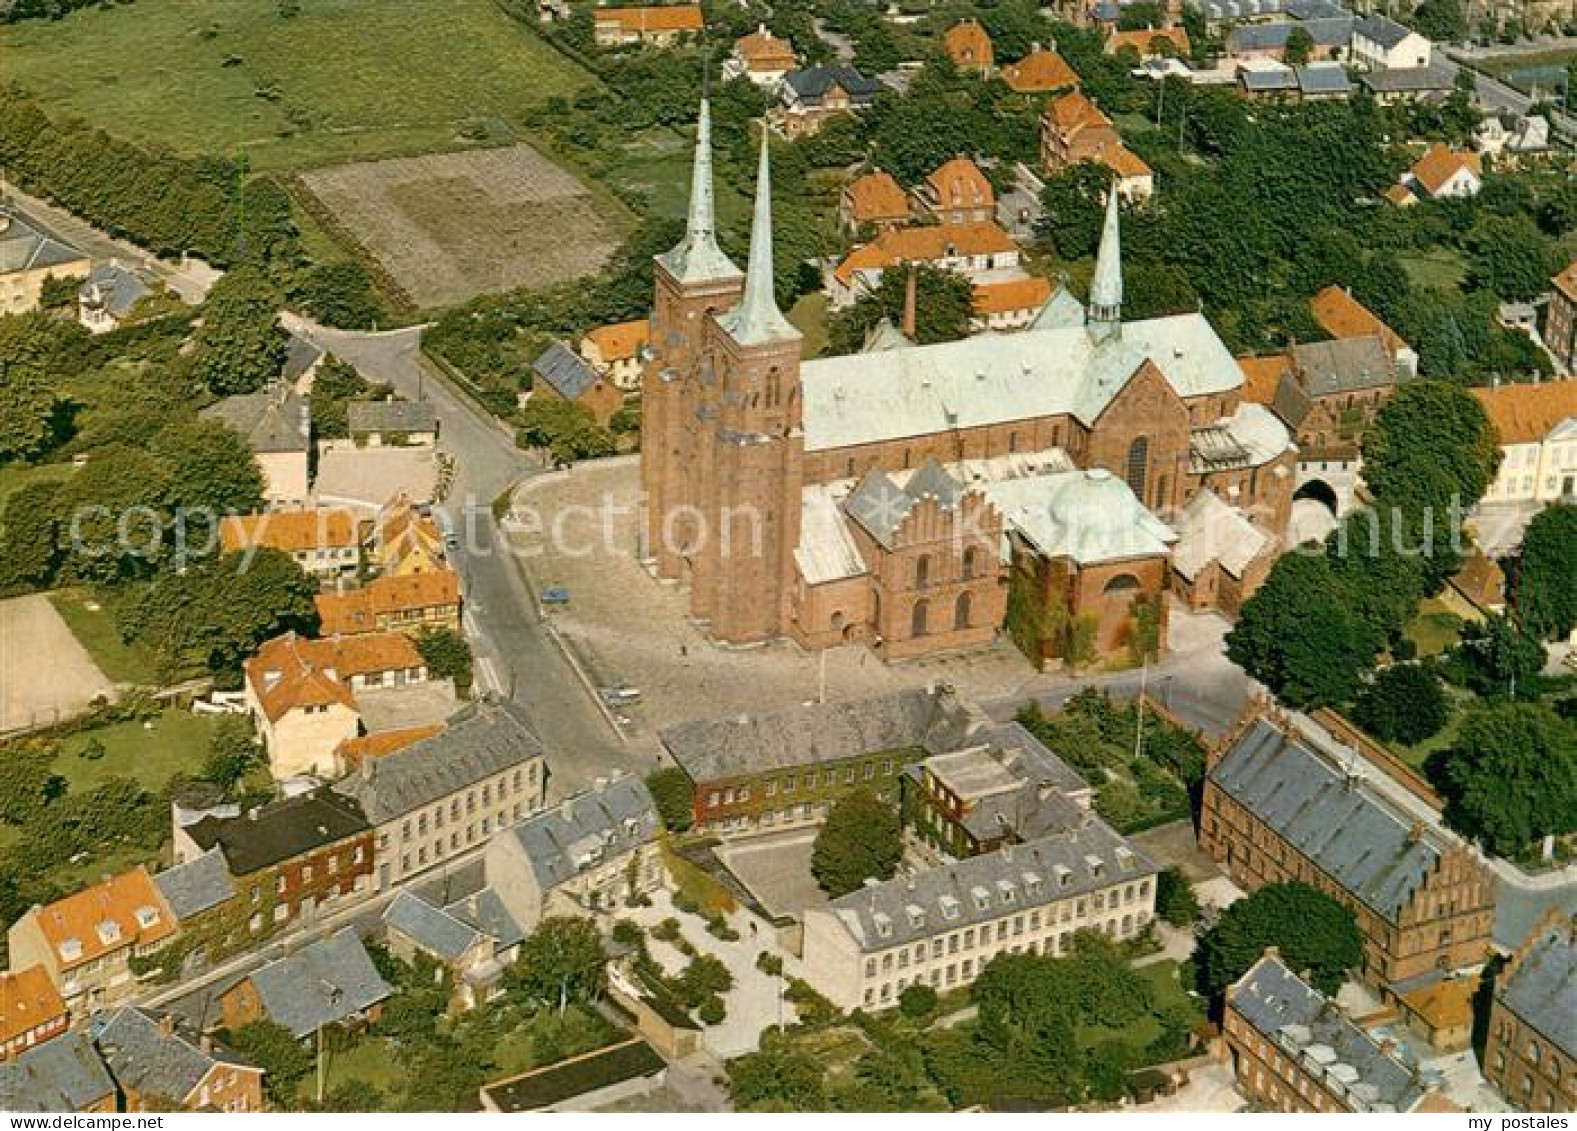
(698, 259)
(757, 318)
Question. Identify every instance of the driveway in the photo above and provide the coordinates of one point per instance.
(33, 693)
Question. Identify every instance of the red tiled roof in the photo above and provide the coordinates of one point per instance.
(1029, 293)
(28, 1000)
(925, 245)
(959, 183)
(1140, 40)
(122, 911)
(1342, 316)
(291, 671)
(620, 341)
(1441, 163)
(967, 44)
(1039, 71)
(290, 531)
(357, 610)
(876, 196)
(1525, 414)
(1566, 281)
(672, 17)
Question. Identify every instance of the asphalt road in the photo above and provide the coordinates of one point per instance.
(514, 654)
(1496, 95)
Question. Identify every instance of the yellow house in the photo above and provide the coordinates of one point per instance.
(405, 602)
(28, 256)
(402, 541)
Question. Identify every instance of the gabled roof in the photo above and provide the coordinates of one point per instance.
(194, 887)
(485, 911)
(1527, 414)
(62, 1075)
(280, 831)
(1381, 29)
(431, 928)
(1541, 988)
(291, 671)
(1566, 281)
(25, 245)
(357, 610)
(1141, 39)
(327, 528)
(330, 981)
(123, 911)
(1261, 376)
(1029, 293)
(712, 749)
(585, 830)
(273, 419)
(928, 243)
(967, 44)
(620, 341)
(155, 1054)
(1344, 366)
(28, 999)
(1039, 71)
(659, 18)
(880, 506)
(391, 416)
(565, 371)
(812, 83)
(1377, 856)
(1074, 111)
(485, 738)
(113, 289)
(1061, 311)
(1287, 1011)
(1324, 77)
(376, 745)
(1124, 162)
(1211, 531)
(1088, 857)
(1441, 163)
(763, 51)
(1342, 316)
(876, 196)
(959, 183)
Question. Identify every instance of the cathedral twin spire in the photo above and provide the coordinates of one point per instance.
(698, 258)
(1106, 288)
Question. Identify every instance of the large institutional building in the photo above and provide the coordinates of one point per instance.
(918, 498)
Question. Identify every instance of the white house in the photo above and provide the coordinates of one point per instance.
(1537, 425)
(1380, 43)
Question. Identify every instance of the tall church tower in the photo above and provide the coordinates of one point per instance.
(1105, 313)
(741, 577)
(693, 281)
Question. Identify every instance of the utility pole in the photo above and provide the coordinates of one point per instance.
(1138, 726)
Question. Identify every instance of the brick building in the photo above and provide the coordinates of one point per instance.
(874, 200)
(1284, 804)
(968, 46)
(331, 982)
(750, 773)
(1530, 1055)
(957, 192)
(158, 1060)
(289, 862)
(1073, 130)
(1295, 1050)
(751, 457)
(1040, 72)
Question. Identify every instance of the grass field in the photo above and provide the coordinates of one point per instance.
(809, 316)
(342, 80)
(1439, 268)
(1166, 990)
(173, 743)
(445, 227)
(94, 627)
(15, 477)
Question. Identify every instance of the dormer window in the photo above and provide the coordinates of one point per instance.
(1064, 876)
(147, 917)
(71, 949)
(108, 931)
(1007, 891)
(1125, 858)
(949, 908)
(1032, 884)
(982, 898)
(1096, 865)
(916, 916)
(884, 925)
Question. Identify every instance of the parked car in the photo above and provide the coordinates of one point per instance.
(555, 595)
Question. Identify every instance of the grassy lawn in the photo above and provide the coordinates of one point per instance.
(368, 1061)
(657, 164)
(173, 743)
(810, 318)
(1166, 990)
(1439, 268)
(341, 80)
(14, 478)
(1416, 756)
(94, 627)
(1435, 629)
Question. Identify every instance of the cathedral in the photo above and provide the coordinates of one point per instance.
(924, 498)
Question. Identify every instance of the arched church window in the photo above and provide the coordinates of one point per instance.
(1138, 466)
(919, 617)
(922, 571)
(961, 610)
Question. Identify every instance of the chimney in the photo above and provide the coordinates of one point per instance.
(908, 326)
(167, 1024)
(366, 767)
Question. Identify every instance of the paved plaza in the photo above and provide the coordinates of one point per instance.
(33, 693)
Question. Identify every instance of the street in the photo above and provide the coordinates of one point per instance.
(514, 654)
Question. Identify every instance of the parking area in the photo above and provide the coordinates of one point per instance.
(578, 530)
(34, 693)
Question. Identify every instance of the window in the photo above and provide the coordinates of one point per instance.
(918, 618)
(922, 571)
(971, 562)
(961, 610)
(1138, 466)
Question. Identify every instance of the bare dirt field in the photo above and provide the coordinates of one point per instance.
(447, 227)
(66, 680)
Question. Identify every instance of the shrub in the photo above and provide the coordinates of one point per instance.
(917, 1001)
(712, 1011)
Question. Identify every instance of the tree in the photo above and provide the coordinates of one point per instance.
(448, 656)
(1300, 44)
(1440, 20)
(30, 547)
(118, 524)
(565, 429)
(917, 1001)
(705, 977)
(1510, 258)
(944, 303)
(211, 468)
(1312, 930)
(1511, 775)
(780, 1077)
(1542, 576)
(30, 780)
(284, 1060)
(233, 752)
(240, 346)
(28, 346)
(1405, 703)
(1175, 900)
(673, 795)
(1430, 446)
(1298, 636)
(560, 962)
(1495, 656)
(339, 294)
(334, 386)
(1072, 206)
(860, 840)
